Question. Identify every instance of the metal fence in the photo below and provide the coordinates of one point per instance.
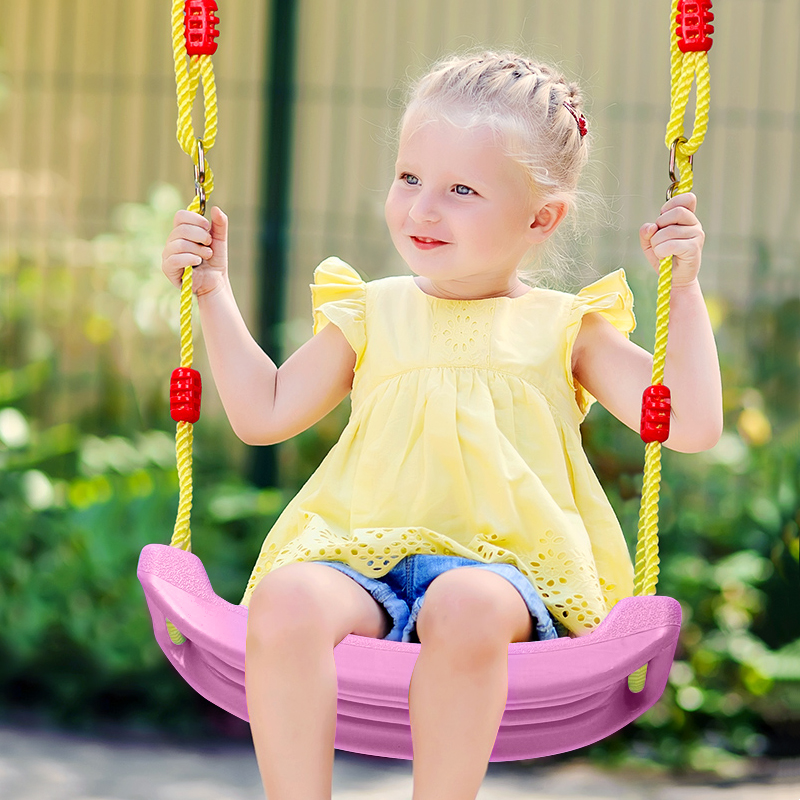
(87, 135)
(355, 56)
(87, 124)
(87, 118)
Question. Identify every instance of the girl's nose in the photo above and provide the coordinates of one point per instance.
(424, 209)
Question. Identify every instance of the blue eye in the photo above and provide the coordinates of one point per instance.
(408, 178)
(463, 190)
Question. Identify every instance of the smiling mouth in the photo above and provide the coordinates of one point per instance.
(426, 243)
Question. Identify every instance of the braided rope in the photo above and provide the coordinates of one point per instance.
(190, 73)
(685, 67)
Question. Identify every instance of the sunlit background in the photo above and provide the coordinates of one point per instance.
(309, 94)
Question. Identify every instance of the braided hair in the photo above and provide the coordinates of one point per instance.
(534, 111)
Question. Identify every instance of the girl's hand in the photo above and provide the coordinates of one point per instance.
(677, 232)
(199, 243)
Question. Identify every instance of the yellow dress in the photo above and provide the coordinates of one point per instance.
(463, 439)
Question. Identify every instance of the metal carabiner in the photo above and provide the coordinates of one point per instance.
(200, 176)
(673, 165)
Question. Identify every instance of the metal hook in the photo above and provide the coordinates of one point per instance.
(200, 176)
(673, 165)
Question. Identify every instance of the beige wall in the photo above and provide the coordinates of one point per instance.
(355, 55)
(88, 119)
(87, 127)
(87, 122)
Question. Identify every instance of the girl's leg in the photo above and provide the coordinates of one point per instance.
(298, 614)
(460, 683)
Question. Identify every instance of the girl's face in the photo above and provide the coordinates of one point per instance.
(460, 211)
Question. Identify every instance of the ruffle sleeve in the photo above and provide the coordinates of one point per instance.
(338, 295)
(611, 297)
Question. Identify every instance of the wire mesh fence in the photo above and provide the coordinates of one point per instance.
(87, 151)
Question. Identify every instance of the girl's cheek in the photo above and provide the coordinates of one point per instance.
(392, 207)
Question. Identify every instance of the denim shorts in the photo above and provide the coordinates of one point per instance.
(402, 590)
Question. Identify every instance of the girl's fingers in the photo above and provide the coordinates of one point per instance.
(219, 225)
(191, 233)
(646, 233)
(190, 218)
(685, 200)
(187, 246)
(175, 266)
(677, 216)
(180, 254)
(196, 242)
(686, 251)
(676, 232)
(178, 261)
(681, 251)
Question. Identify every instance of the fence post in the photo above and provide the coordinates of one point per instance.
(275, 215)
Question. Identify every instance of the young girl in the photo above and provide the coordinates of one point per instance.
(457, 509)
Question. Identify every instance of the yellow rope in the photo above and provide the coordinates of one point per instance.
(685, 67)
(190, 73)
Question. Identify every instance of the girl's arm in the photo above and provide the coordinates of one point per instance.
(617, 372)
(264, 404)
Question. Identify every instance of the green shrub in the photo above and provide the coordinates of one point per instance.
(79, 499)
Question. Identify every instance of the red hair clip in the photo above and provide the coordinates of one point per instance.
(581, 120)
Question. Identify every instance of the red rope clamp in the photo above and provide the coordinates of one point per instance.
(185, 390)
(655, 413)
(694, 28)
(199, 27)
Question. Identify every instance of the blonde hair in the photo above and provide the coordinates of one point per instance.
(534, 111)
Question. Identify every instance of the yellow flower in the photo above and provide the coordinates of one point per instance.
(754, 427)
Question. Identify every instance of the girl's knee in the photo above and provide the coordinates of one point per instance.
(448, 618)
(472, 610)
(284, 607)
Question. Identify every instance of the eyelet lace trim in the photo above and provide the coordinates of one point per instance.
(564, 581)
(462, 334)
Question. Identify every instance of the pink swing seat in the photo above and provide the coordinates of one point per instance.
(563, 694)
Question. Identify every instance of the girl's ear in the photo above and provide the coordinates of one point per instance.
(545, 220)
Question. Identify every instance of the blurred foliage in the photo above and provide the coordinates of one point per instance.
(729, 552)
(88, 478)
(90, 337)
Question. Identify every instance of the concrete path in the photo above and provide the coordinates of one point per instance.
(55, 766)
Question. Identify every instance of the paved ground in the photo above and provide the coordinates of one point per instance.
(55, 766)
